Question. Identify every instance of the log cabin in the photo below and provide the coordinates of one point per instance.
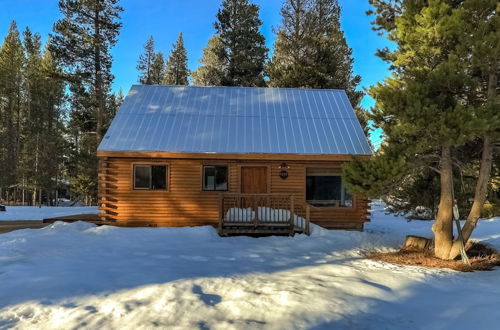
(243, 159)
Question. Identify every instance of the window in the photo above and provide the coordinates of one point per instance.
(153, 177)
(214, 178)
(325, 187)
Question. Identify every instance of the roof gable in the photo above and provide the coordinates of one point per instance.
(235, 120)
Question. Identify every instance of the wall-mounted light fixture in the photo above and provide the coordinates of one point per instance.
(284, 173)
(284, 166)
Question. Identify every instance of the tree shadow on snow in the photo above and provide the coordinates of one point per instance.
(65, 266)
(208, 299)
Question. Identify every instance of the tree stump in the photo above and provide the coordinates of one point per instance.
(417, 243)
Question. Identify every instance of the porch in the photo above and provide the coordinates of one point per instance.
(262, 214)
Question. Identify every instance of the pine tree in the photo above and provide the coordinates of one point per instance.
(145, 63)
(431, 107)
(211, 70)
(81, 44)
(35, 122)
(176, 71)
(385, 13)
(290, 64)
(158, 69)
(114, 103)
(11, 119)
(53, 146)
(119, 97)
(30, 173)
(82, 159)
(243, 51)
(311, 51)
(332, 56)
(481, 38)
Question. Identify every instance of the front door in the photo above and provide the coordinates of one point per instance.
(253, 180)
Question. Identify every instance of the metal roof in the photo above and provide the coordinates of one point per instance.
(235, 120)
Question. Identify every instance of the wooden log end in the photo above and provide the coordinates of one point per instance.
(417, 243)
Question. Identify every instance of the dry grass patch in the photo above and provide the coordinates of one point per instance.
(482, 257)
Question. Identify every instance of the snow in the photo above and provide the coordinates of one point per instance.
(264, 213)
(82, 276)
(39, 213)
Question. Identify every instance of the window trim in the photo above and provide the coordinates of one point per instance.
(150, 177)
(203, 166)
(150, 164)
(335, 172)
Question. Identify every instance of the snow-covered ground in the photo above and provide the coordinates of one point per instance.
(82, 276)
(40, 213)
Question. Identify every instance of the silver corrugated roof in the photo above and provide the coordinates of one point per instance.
(235, 120)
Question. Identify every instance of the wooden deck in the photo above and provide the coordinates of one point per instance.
(262, 214)
(94, 218)
(8, 226)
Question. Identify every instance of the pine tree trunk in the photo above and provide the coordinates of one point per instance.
(484, 175)
(443, 227)
(479, 196)
(98, 76)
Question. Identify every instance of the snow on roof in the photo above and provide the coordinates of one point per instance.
(235, 120)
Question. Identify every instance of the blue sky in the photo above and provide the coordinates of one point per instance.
(164, 19)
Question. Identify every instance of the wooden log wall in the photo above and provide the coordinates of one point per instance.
(184, 203)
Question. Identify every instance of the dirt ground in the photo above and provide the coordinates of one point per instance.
(482, 257)
(8, 226)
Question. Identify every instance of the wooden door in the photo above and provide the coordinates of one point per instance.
(253, 180)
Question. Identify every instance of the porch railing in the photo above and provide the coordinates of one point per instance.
(262, 214)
